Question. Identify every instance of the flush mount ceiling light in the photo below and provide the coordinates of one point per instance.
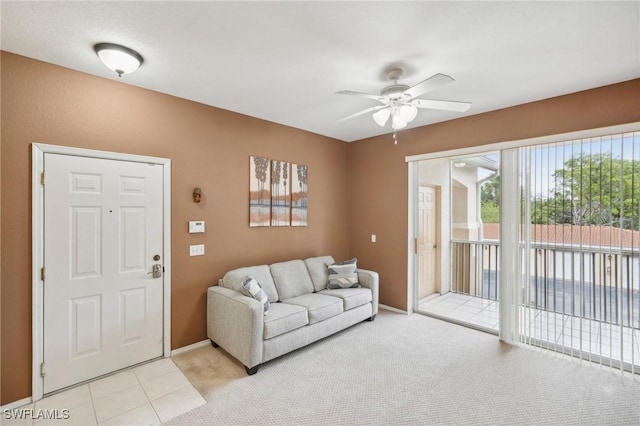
(118, 58)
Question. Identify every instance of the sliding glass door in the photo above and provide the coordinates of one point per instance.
(580, 247)
(539, 243)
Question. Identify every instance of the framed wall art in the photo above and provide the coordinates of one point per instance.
(280, 193)
(299, 192)
(277, 193)
(259, 191)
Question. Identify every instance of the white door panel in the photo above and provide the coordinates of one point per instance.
(427, 242)
(103, 226)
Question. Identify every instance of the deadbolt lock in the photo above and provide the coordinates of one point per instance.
(156, 257)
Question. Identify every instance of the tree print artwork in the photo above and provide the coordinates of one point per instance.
(259, 192)
(299, 195)
(277, 193)
(280, 194)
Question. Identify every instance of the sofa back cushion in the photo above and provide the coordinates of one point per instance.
(317, 267)
(235, 278)
(291, 279)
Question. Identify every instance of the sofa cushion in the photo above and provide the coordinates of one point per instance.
(319, 306)
(343, 275)
(252, 288)
(234, 280)
(291, 278)
(282, 318)
(317, 267)
(352, 297)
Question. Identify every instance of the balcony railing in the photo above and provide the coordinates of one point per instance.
(600, 284)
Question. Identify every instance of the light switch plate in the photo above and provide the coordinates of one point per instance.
(196, 250)
(196, 226)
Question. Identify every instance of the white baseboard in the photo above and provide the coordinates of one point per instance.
(16, 404)
(190, 347)
(392, 309)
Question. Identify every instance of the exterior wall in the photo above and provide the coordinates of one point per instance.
(378, 171)
(465, 203)
(209, 148)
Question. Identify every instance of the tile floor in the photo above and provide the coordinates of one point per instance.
(481, 312)
(556, 331)
(150, 394)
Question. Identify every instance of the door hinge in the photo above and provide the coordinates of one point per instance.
(42, 178)
(42, 273)
(42, 370)
(415, 246)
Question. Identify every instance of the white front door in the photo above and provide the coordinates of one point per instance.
(103, 232)
(427, 243)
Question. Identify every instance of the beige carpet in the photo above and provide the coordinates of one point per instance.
(409, 370)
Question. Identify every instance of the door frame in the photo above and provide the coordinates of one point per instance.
(37, 246)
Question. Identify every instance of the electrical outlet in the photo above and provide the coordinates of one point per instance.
(196, 250)
(373, 238)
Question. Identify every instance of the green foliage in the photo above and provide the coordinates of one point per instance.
(490, 212)
(490, 200)
(596, 189)
(490, 190)
(592, 190)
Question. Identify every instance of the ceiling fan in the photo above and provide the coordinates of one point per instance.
(399, 100)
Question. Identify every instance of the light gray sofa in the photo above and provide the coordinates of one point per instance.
(302, 309)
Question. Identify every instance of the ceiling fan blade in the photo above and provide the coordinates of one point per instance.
(433, 82)
(362, 95)
(444, 105)
(364, 111)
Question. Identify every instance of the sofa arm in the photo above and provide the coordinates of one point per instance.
(370, 279)
(236, 323)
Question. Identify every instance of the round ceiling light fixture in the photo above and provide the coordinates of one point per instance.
(118, 58)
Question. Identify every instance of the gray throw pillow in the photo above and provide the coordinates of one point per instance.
(253, 288)
(343, 275)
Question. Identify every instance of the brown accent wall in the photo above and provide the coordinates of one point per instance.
(378, 177)
(208, 148)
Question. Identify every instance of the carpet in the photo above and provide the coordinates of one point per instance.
(404, 370)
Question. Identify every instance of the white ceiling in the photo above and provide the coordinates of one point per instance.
(284, 61)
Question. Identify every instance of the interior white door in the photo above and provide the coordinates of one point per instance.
(427, 243)
(103, 233)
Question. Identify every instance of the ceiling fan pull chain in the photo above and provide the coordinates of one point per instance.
(395, 137)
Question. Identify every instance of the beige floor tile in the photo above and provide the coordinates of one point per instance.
(141, 416)
(209, 370)
(177, 403)
(112, 384)
(119, 402)
(66, 400)
(82, 415)
(155, 369)
(164, 385)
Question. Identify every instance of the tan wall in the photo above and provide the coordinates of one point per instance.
(378, 172)
(208, 147)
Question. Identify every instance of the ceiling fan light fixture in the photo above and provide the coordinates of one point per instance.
(407, 112)
(397, 122)
(381, 116)
(118, 58)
